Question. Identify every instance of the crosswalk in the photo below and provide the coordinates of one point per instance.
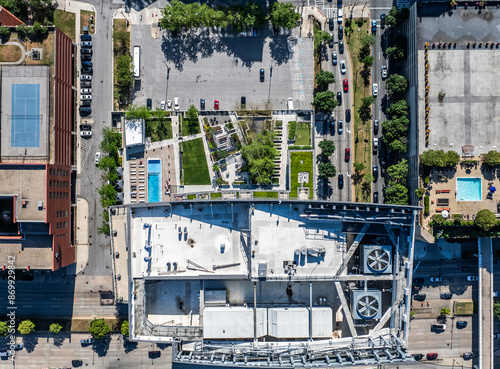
(85, 145)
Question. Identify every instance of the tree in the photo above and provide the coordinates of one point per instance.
(325, 101)
(398, 172)
(323, 79)
(368, 61)
(284, 15)
(396, 85)
(259, 156)
(22, 30)
(124, 75)
(439, 158)
(398, 145)
(192, 120)
(359, 167)
(327, 147)
(108, 195)
(215, 168)
(4, 329)
(452, 158)
(124, 328)
(324, 36)
(55, 328)
(368, 178)
(26, 327)
(327, 170)
(16, 7)
(99, 328)
(496, 310)
(111, 142)
(39, 31)
(390, 18)
(492, 158)
(428, 158)
(365, 110)
(368, 40)
(396, 194)
(398, 51)
(137, 112)
(398, 109)
(445, 311)
(395, 129)
(121, 41)
(419, 192)
(485, 219)
(4, 31)
(107, 163)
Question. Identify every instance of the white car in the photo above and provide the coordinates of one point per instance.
(384, 71)
(86, 91)
(375, 89)
(86, 77)
(169, 104)
(97, 158)
(85, 97)
(342, 67)
(472, 278)
(162, 105)
(436, 279)
(86, 44)
(86, 134)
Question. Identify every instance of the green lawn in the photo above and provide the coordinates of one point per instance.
(185, 126)
(194, 163)
(266, 194)
(192, 197)
(215, 195)
(155, 130)
(464, 308)
(303, 134)
(301, 162)
(65, 21)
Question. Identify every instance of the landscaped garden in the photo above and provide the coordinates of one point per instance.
(303, 135)
(194, 163)
(189, 122)
(301, 162)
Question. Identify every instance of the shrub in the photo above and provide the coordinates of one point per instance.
(292, 126)
(426, 205)
(4, 328)
(99, 328)
(55, 328)
(124, 328)
(26, 327)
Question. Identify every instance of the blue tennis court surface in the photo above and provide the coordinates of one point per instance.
(25, 115)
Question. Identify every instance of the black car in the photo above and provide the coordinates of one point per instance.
(87, 70)
(375, 173)
(339, 4)
(86, 103)
(419, 297)
(154, 354)
(375, 127)
(375, 197)
(149, 103)
(85, 57)
(341, 47)
(330, 44)
(382, 20)
(85, 50)
(341, 32)
(340, 127)
(418, 357)
(339, 97)
(85, 84)
(202, 104)
(461, 324)
(85, 110)
(86, 37)
(262, 74)
(332, 128)
(464, 269)
(85, 127)
(331, 24)
(243, 101)
(77, 363)
(446, 296)
(341, 181)
(348, 115)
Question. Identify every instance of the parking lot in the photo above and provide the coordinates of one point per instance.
(224, 66)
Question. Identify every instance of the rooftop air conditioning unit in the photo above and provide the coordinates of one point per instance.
(377, 259)
(366, 304)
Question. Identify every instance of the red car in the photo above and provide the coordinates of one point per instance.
(216, 105)
(347, 154)
(346, 85)
(432, 356)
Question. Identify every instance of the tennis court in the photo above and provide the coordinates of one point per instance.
(25, 115)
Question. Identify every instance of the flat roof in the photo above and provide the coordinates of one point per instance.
(25, 111)
(134, 132)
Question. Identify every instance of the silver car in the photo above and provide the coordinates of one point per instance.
(342, 67)
(375, 89)
(384, 71)
(85, 97)
(86, 91)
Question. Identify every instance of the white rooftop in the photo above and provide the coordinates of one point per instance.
(134, 132)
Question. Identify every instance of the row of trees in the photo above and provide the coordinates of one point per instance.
(110, 144)
(35, 32)
(439, 158)
(259, 157)
(366, 58)
(326, 168)
(396, 191)
(395, 129)
(324, 99)
(98, 328)
(178, 16)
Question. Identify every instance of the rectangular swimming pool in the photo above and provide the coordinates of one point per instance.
(154, 180)
(469, 189)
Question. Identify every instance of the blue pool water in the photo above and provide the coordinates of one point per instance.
(154, 180)
(469, 189)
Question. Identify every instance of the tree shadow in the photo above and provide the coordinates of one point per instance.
(58, 341)
(129, 346)
(280, 52)
(101, 346)
(30, 343)
(366, 73)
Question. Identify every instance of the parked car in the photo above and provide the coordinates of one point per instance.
(330, 44)
(438, 327)
(384, 71)
(332, 127)
(149, 104)
(85, 84)
(432, 356)
(375, 197)
(345, 83)
(85, 51)
(334, 58)
(86, 44)
(86, 341)
(86, 37)
(496, 335)
(330, 21)
(419, 297)
(86, 77)
(375, 173)
(461, 324)
(84, 57)
(375, 127)
(5, 354)
(464, 269)
(85, 97)
(87, 63)
(382, 20)
(472, 278)
(86, 91)
(341, 47)
(18, 346)
(341, 181)
(169, 104)
(417, 357)
(343, 69)
(341, 33)
(375, 89)
(375, 143)
(85, 127)
(96, 160)
(348, 115)
(86, 103)
(339, 97)
(87, 70)
(77, 363)
(469, 355)
(243, 101)
(347, 154)
(216, 104)
(436, 279)
(154, 354)
(262, 74)
(202, 104)
(340, 127)
(446, 296)
(86, 134)
(374, 26)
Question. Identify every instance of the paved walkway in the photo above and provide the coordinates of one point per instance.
(486, 345)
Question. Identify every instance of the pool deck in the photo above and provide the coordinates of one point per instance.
(446, 180)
